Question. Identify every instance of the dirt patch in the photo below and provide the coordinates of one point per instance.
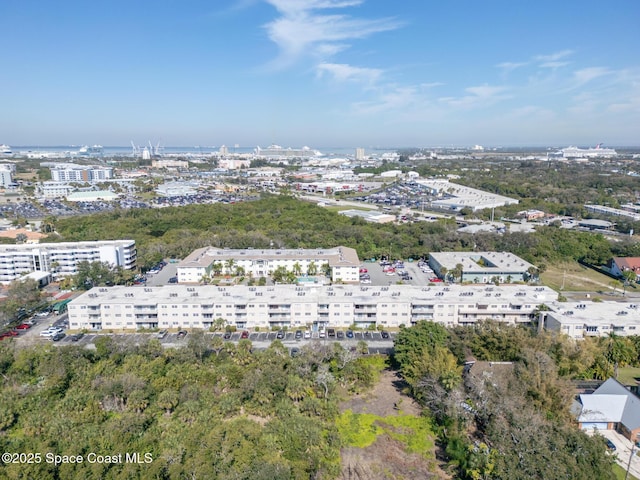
(386, 459)
(385, 399)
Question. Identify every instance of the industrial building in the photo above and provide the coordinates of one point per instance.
(61, 259)
(287, 306)
(343, 261)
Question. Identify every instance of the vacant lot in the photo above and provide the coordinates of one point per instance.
(573, 277)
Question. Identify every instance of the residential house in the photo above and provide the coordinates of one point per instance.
(611, 407)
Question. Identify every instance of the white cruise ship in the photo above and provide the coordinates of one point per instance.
(5, 149)
(90, 151)
(276, 151)
(597, 151)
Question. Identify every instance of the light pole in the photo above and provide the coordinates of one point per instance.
(633, 452)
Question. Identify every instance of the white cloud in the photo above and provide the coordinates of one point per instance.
(479, 96)
(393, 98)
(587, 74)
(554, 57)
(343, 72)
(301, 30)
(510, 66)
(553, 64)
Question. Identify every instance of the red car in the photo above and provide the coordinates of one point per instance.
(435, 280)
(23, 326)
(244, 334)
(363, 270)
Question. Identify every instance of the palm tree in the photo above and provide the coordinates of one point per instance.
(296, 269)
(312, 269)
(229, 265)
(444, 271)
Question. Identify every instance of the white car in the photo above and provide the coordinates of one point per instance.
(307, 334)
(50, 332)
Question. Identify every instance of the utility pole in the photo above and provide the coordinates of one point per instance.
(633, 452)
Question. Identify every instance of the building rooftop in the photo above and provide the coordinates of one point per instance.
(493, 261)
(454, 294)
(203, 257)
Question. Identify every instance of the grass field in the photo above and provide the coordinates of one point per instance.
(621, 472)
(575, 278)
(628, 375)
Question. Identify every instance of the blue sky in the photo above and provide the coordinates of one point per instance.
(339, 73)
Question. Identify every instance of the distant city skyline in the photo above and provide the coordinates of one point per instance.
(344, 73)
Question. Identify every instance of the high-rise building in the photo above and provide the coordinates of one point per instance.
(359, 153)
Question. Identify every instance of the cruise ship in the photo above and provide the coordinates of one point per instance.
(5, 149)
(276, 151)
(90, 151)
(597, 151)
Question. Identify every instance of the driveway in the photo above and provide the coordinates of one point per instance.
(623, 450)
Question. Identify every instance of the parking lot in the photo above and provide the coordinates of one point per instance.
(260, 340)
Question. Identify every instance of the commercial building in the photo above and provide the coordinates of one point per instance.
(616, 212)
(280, 306)
(70, 172)
(55, 189)
(61, 259)
(343, 261)
(6, 175)
(481, 267)
(456, 197)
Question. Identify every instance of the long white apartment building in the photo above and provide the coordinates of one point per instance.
(280, 306)
(61, 259)
(593, 319)
(344, 262)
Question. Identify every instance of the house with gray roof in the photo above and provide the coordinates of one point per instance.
(611, 407)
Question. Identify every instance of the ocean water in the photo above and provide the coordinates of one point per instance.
(112, 151)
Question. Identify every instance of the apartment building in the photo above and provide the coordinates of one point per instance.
(343, 261)
(481, 267)
(593, 319)
(61, 259)
(70, 172)
(280, 306)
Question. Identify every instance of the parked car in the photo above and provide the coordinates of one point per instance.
(244, 334)
(298, 334)
(76, 337)
(331, 333)
(161, 334)
(280, 334)
(610, 445)
(307, 334)
(182, 334)
(57, 336)
(384, 334)
(227, 335)
(339, 334)
(349, 334)
(50, 332)
(23, 326)
(173, 280)
(321, 333)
